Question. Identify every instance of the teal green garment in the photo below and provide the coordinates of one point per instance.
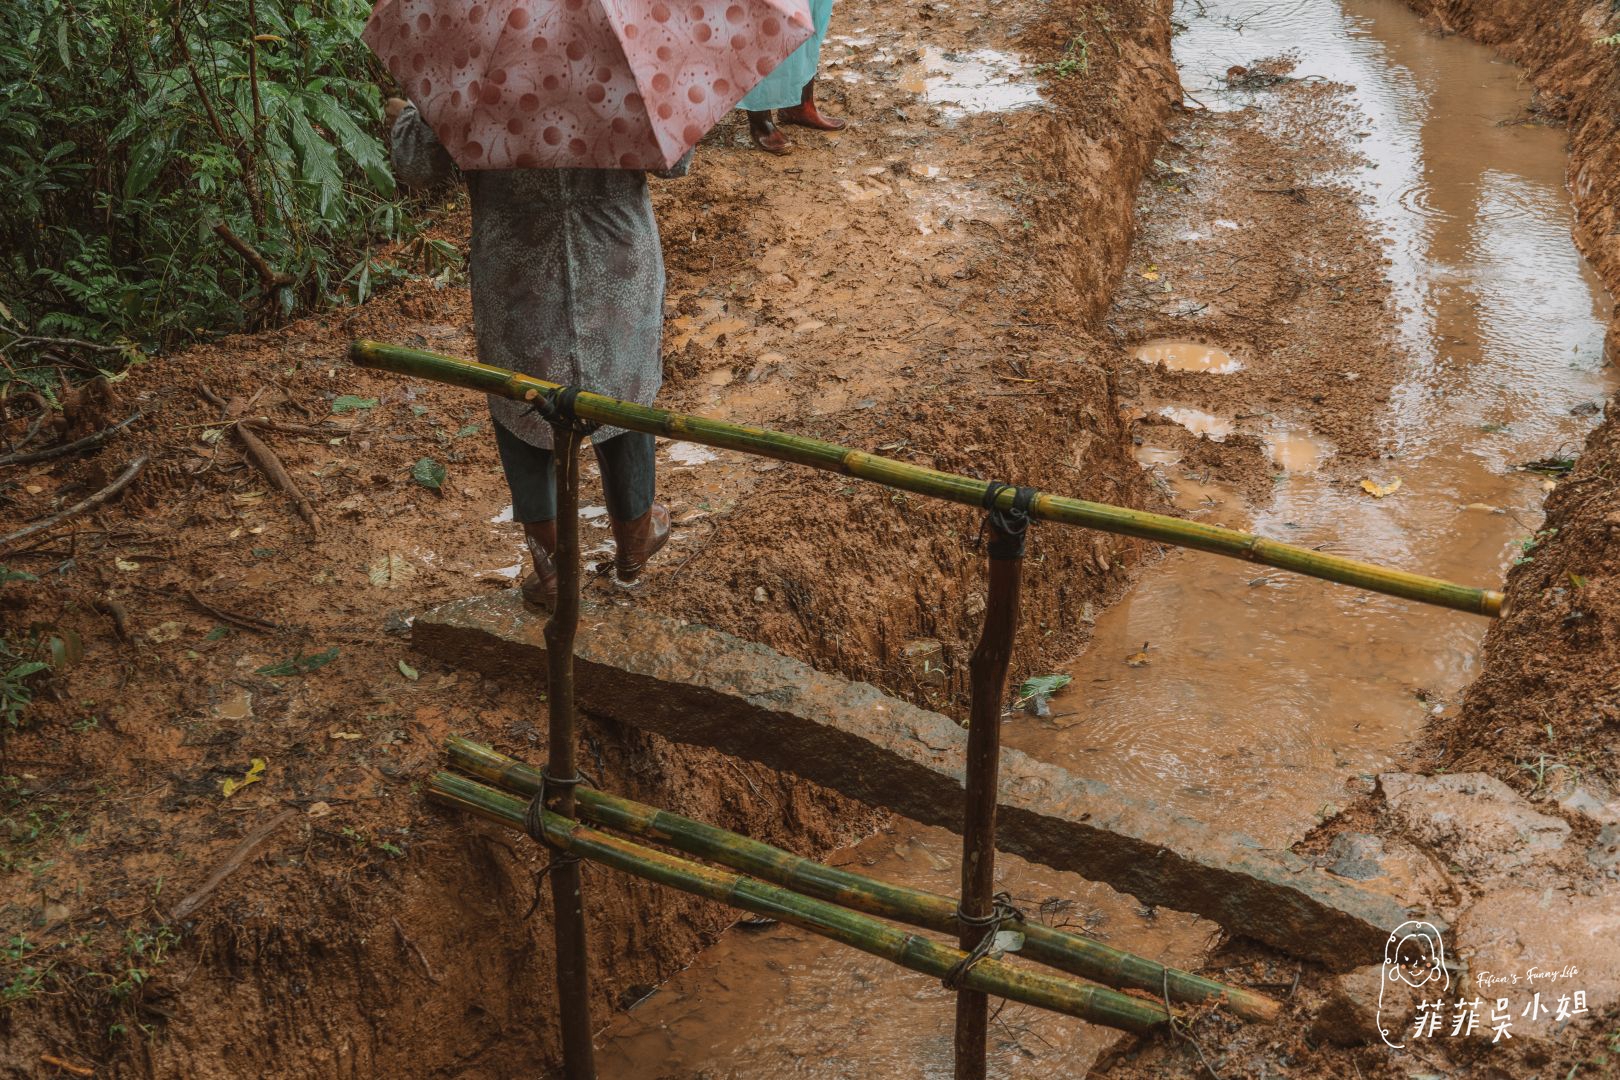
(781, 89)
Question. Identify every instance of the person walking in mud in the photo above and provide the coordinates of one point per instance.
(567, 285)
(790, 89)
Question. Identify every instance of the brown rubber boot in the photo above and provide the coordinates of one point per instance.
(805, 113)
(766, 135)
(639, 540)
(540, 587)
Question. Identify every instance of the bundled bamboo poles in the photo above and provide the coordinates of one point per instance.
(1057, 948)
(989, 976)
(896, 474)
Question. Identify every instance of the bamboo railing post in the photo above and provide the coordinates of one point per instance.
(977, 911)
(562, 773)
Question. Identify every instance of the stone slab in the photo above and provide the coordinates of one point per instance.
(692, 684)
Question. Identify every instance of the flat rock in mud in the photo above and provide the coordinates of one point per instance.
(1552, 941)
(1361, 1007)
(695, 685)
(1477, 822)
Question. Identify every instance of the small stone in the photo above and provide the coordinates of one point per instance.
(1474, 820)
(1605, 853)
(760, 595)
(1356, 856)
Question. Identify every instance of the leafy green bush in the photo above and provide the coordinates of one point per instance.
(139, 137)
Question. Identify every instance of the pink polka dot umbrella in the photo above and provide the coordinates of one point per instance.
(607, 84)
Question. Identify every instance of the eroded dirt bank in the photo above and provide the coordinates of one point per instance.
(928, 284)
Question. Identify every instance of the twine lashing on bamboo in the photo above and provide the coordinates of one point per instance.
(1002, 911)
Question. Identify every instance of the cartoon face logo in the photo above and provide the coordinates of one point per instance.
(1416, 956)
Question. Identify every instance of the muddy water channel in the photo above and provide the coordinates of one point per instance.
(1262, 692)
(1238, 695)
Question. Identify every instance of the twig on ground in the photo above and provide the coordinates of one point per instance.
(39, 421)
(417, 949)
(265, 458)
(99, 498)
(1175, 1026)
(260, 454)
(66, 1066)
(228, 867)
(245, 622)
(86, 443)
(119, 616)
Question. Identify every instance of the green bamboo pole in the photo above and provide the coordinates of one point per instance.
(1068, 952)
(898, 474)
(1097, 1004)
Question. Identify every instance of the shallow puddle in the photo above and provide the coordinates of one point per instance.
(1188, 356)
(782, 1002)
(690, 454)
(980, 81)
(1149, 456)
(1295, 451)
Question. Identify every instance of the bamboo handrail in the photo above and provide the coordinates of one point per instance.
(801, 450)
(1065, 951)
(1097, 1004)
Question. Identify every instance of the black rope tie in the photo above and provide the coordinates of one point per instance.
(1007, 527)
(557, 409)
(1002, 911)
(534, 823)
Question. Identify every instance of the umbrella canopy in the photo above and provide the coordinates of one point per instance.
(607, 84)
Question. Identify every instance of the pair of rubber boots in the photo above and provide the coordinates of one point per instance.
(634, 543)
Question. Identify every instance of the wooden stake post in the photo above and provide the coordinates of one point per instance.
(978, 911)
(562, 773)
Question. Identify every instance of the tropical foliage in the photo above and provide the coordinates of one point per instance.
(176, 166)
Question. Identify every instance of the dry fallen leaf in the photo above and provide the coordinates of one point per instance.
(1378, 491)
(230, 786)
(390, 570)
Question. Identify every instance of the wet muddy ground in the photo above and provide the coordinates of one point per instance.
(953, 280)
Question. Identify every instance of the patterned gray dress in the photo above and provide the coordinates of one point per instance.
(567, 275)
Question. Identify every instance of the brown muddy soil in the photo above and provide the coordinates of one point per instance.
(928, 284)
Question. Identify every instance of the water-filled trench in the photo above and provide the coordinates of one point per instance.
(1264, 692)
